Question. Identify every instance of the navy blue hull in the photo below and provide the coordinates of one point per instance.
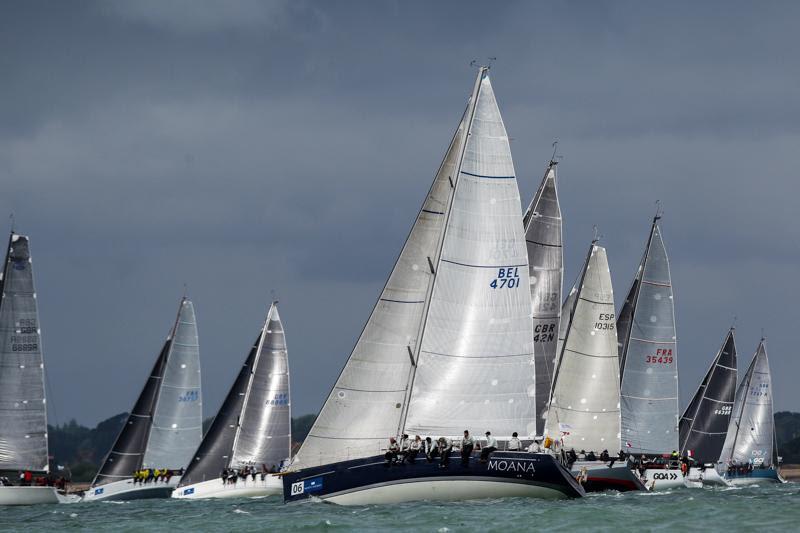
(504, 473)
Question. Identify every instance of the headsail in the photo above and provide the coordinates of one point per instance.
(704, 424)
(371, 398)
(131, 447)
(751, 431)
(648, 355)
(475, 366)
(259, 399)
(584, 404)
(23, 412)
(546, 271)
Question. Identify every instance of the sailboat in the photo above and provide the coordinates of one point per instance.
(448, 346)
(704, 424)
(23, 410)
(649, 366)
(543, 239)
(583, 413)
(164, 427)
(252, 430)
(748, 452)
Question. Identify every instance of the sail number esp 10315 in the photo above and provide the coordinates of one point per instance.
(507, 278)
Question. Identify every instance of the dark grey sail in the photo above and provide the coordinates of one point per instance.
(23, 412)
(543, 240)
(127, 453)
(253, 426)
(648, 355)
(704, 424)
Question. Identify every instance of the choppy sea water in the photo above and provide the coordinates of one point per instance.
(762, 508)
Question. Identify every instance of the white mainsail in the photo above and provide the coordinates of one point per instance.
(475, 367)
(546, 271)
(584, 404)
(178, 417)
(649, 356)
(751, 433)
(410, 325)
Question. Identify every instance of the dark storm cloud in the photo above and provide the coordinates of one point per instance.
(240, 147)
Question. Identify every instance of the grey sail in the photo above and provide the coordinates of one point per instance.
(132, 444)
(366, 403)
(264, 434)
(751, 432)
(648, 356)
(23, 413)
(474, 368)
(704, 424)
(177, 426)
(584, 403)
(264, 381)
(546, 270)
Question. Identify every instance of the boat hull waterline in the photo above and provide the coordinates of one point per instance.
(16, 495)
(126, 489)
(755, 477)
(214, 488)
(370, 481)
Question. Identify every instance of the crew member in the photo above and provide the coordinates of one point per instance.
(514, 445)
(536, 445)
(443, 449)
(467, 445)
(391, 451)
(491, 446)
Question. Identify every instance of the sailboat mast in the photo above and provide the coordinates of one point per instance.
(434, 263)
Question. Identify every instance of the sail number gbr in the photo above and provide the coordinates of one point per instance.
(507, 278)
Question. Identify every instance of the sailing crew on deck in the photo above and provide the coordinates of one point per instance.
(430, 449)
(444, 446)
(413, 449)
(391, 451)
(467, 445)
(491, 446)
(405, 447)
(514, 445)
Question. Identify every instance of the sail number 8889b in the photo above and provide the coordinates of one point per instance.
(507, 278)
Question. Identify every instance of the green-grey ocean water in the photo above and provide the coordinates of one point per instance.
(767, 508)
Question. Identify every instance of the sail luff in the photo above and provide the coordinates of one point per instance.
(543, 238)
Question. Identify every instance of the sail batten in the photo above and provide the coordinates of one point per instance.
(23, 412)
(648, 355)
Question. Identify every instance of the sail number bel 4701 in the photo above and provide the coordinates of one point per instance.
(507, 278)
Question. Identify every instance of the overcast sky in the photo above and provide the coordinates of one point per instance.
(241, 147)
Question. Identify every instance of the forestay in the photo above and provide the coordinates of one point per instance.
(23, 413)
(543, 240)
(751, 432)
(704, 424)
(475, 366)
(584, 405)
(648, 355)
(265, 435)
(178, 417)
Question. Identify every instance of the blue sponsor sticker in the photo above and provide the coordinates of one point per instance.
(98, 491)
(312, 485)
(188, 491)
